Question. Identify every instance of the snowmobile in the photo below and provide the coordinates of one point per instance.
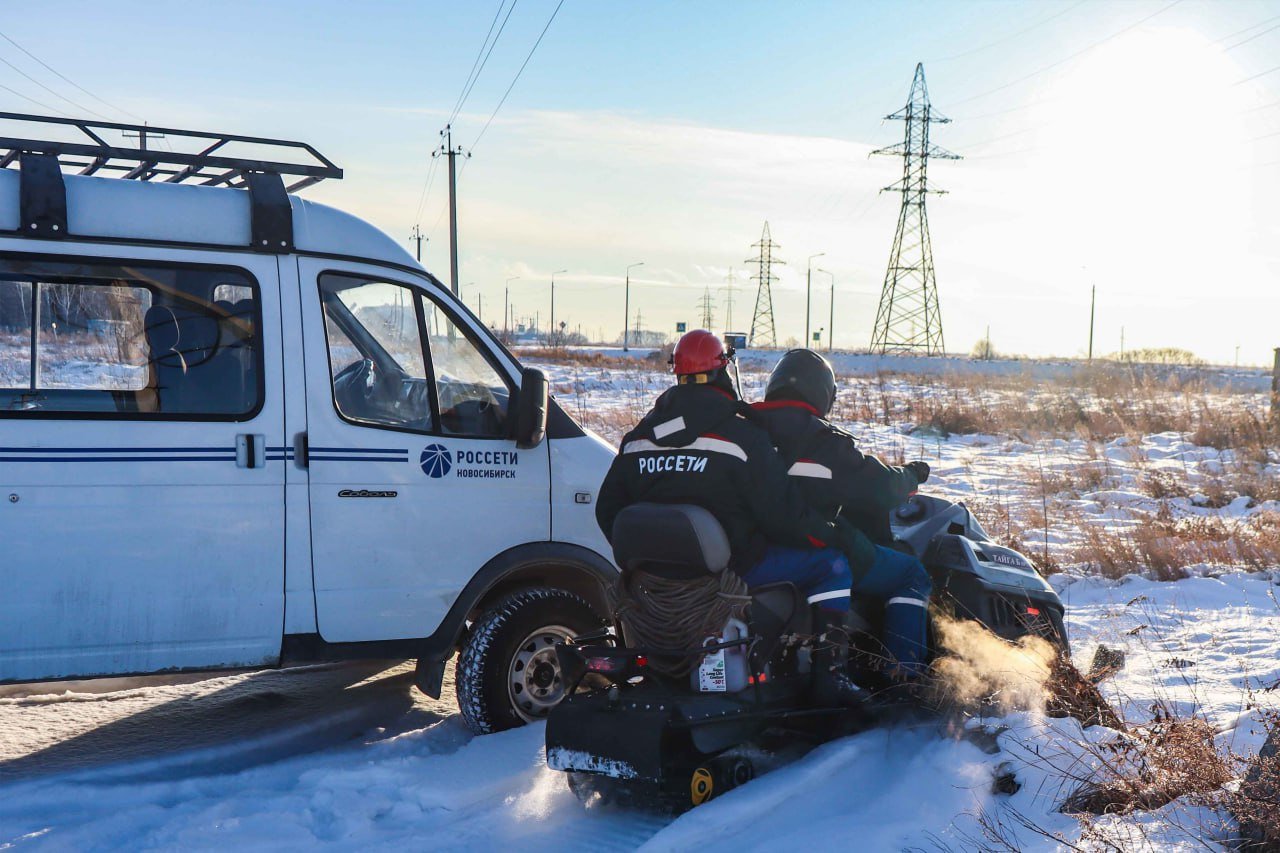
(630, 732)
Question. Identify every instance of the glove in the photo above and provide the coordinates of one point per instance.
(920, 469)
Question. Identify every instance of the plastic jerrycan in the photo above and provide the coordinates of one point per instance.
(723, 670)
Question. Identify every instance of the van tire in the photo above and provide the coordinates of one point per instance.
(520, 628)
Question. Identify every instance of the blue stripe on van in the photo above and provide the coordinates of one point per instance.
(231, 458)
(117, 449)
(401, 452)
(357, 459)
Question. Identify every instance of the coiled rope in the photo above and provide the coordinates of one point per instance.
(672, 618)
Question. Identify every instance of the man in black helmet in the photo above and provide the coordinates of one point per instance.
(839, 480)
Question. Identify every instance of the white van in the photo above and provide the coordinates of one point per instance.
(240, 429)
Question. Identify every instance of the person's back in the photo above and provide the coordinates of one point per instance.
(695, 447)
(837, 479)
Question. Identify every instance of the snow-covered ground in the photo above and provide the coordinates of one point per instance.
(337, 757)
(351, 757)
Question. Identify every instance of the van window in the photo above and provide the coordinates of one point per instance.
(376, 362)
(145, 341)
(473, 396)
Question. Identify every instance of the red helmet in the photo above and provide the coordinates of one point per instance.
(698, 351)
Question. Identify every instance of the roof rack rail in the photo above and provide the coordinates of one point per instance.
(206, 167)
(42, 162)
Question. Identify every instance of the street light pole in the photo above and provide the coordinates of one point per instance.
(626, 307)
(553, 305)
(506, 312)
(808, 293)
(831, 322)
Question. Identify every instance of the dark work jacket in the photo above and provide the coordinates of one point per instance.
(835, 476)
(697, 447)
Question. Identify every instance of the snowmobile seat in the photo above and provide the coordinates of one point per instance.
(674, 541)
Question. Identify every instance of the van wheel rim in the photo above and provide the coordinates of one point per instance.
(534, 682)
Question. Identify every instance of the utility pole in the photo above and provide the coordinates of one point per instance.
(1093, 301)
(416, 237)
(831, 322)
(1122, 343)
(506, 314)
(626, 308)
(553, 305)
(808, 295)
(446, 149)
(910, 292)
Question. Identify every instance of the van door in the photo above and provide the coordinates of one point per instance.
(141, 480)
(415, 483)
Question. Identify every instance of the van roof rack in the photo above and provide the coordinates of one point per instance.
(41, 162)
(207, 167)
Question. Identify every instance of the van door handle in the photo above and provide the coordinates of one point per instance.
(251, 450)
(301, 450)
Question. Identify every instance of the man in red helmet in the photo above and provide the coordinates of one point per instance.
(696, 447)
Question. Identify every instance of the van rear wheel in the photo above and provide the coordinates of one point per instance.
(508, 674)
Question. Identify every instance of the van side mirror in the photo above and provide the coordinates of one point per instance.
(531, 408)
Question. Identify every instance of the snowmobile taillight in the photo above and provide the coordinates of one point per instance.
(1033, 611)
(641, 660)
(758, 679)
(606, 665)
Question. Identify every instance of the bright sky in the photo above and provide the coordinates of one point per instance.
(1111, 143)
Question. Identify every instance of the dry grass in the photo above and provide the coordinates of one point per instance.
(1153, 765)
(1256, 803)
(1163, 547)
(1098, 405)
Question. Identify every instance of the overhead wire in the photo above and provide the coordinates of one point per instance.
(1250, 38)
(457, 105)
(1067, 59)
(37, 103)
(516, 79)
(52, 92)
(1012, 36)
(1256, 76)
(68, 80)
(462, 100)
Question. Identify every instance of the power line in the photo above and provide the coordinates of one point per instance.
(463, 93)
(457, 105)
(1251, 38)
(1246, 29)
(1256, 76)
(1067, 59)
(1012, 36)
(517, 77)
(68, 80)
(52, 92)
(471, 83)
(34, 101)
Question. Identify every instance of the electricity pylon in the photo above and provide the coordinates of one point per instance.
(707, 306)
(908, 320)
(762, 330)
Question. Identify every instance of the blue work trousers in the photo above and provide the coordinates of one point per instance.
(901, 582)
(822, 574)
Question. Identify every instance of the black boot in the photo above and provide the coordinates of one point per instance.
(830, 660)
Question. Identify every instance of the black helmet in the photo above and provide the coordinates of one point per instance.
(803, 375)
